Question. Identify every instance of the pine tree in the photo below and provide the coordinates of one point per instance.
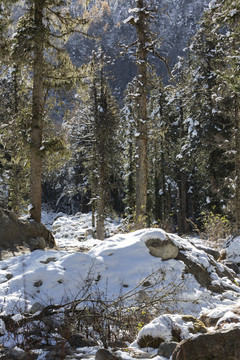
(38, 46)
(93, 133)
(13, 148)
(225, 16)
(145, 44)
(128, 125)
(207, 121)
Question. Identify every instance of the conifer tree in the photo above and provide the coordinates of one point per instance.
(128, 124)
(38, 47)
(207, 120)
(93, 134)
(145, 44)
(225, 17)
(13, 149)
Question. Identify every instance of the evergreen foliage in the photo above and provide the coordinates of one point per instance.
(93, 129)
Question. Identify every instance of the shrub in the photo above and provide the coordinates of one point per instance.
(217, 228)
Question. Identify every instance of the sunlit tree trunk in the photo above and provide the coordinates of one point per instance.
(237, 163)
(142, 136)
(37, 115)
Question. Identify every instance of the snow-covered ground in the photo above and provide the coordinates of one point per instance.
(113, 267)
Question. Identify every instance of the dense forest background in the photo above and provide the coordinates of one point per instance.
(88, 87)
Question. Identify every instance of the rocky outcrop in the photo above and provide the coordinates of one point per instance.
(218, 319)
(201, 273)
(212, 346)
(215, 253)
(16, 232)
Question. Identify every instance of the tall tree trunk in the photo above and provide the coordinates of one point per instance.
(237, 162)
(157, 187)
(100, 228)
(130, 182)
(37, 114)
(142, 137)
(182, 204)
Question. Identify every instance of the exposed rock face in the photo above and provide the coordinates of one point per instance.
(215, 253)
(201, 273)
(214, 346)
(166, 349)
(232, 265)
(165, 249)
(15, 232)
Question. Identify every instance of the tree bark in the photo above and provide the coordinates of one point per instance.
(37, 115)
(100, 229)
(142, 137)
(237, 163)
(182, 204)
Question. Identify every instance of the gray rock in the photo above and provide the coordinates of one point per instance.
(78, 341)
(36, 307)
(165, 249)
(9, 276)
(104, 354)
(37, 243)
(167, 348)
(18, 354)
(223, 345)
(15, 232)
(202, 275)
(232, 265)
(48, 260)
(38, 283)
(215, 253)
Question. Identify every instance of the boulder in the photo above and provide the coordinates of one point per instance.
(165, 249)
(232, 265)
(36, 307)
(104, 354)
(37, 243)
(166, 349)
(79, 341)
(15, 232)
(17, 354)
(211, 346)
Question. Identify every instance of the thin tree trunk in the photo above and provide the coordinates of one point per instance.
(100, 230)
(183, 203)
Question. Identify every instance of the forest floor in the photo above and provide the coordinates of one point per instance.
(115, 277)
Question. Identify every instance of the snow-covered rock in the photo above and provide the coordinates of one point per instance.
(233, 250)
